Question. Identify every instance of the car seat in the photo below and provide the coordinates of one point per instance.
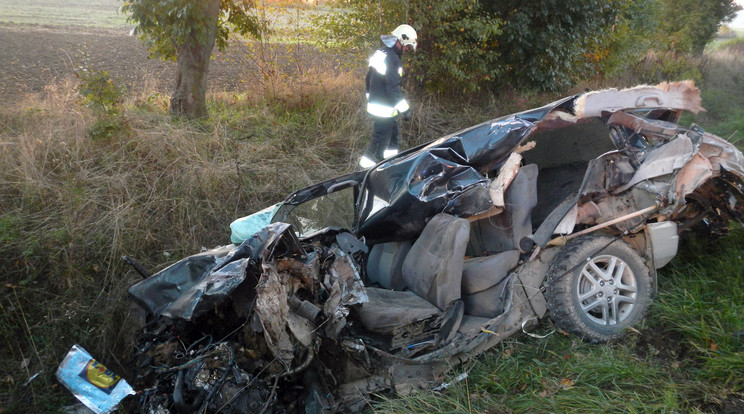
(385, 264)
(495, 243)
(432, 271)
(504, 231)
(430, 267)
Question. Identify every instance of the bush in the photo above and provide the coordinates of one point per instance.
(105, 97)
(686, 26)
(470, 45)
(100, 92)
(661, 67)
(108, 127)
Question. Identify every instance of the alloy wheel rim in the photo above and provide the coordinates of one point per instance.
(607, 290)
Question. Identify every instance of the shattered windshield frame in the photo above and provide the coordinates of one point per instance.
(331, 204)
(334, 209)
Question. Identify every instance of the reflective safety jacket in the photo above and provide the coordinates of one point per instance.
(384, 98)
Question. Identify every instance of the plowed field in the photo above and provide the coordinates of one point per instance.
(32, 56)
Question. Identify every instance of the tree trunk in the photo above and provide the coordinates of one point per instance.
(189, 98)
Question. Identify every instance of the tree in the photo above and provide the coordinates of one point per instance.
(187, 31)
(457, 44)
(688, 25)
(549, 44)
(455, 38)
(466, 45)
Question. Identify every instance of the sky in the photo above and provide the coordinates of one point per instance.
(739, 20)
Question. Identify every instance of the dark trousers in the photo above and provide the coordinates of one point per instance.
(385, 136)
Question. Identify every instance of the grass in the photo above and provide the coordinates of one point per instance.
(556, 374)
(158, 189)
(687, 356)
(701, 303)
(98, 13)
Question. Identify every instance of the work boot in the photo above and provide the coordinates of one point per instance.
(366, 162)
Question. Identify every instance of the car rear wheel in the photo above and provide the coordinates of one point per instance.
(597, 287)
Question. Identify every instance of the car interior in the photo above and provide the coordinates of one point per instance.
(457, 271)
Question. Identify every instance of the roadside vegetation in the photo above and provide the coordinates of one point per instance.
(92, 171)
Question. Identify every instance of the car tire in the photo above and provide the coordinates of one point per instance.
(597, 287)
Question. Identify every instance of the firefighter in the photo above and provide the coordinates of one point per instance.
(384, 98)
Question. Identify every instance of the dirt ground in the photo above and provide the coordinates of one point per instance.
(33, 56)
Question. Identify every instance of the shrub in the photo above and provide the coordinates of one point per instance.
(661, 67)
(105, 97)
(470, 45)
(100, 92)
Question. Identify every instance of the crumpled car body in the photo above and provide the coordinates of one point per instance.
(384, 279)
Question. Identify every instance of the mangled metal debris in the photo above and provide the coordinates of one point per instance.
(386, 278)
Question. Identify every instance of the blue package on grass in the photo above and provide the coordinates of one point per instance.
(96, 386)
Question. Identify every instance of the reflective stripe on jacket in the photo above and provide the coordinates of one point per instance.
(384, 98)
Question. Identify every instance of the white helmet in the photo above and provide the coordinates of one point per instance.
(406, 35)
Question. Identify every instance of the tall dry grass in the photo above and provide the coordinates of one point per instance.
(64, 212)
(157, 189)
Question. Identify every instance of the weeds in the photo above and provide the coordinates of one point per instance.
(72, 206)
(104, 96)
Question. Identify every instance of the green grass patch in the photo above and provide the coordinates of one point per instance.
(725, 112)
(96, 13)
(702, 299)
(555, 374)
(732, 45)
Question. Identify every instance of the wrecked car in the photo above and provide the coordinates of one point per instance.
(384, 279)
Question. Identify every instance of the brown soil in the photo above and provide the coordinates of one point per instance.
(34, 56)
(666, 347)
